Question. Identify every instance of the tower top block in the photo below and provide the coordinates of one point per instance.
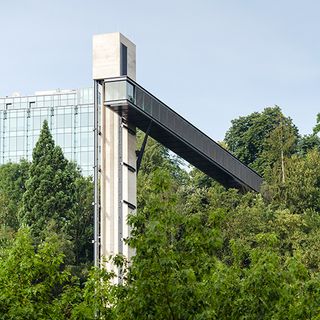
(113, 55)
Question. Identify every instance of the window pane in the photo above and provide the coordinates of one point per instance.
(84, 119)
(124, 63)
(68, 140)
(60, 121)
(20, 143)
(12, 123)
(115, 90)
(68, 120)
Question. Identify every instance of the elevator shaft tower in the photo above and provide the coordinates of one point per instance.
(121, 106)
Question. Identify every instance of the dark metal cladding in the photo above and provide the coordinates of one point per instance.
(184, 139)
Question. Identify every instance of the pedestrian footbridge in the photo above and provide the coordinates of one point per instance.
(146, 112)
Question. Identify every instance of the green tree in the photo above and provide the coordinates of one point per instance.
(174, 250)
(50, 188)
(35, 283)
(95, 300)
(307, 143)
(310, 141)
(279, 146)
(13, 177)
(31, 281)
(202, 252)
(80, 224)
(157, 157)
(301, 190)
(269, 288)
(59, 199)
(316, 128)
(247, 137)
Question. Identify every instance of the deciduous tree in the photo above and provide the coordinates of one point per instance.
(248, 136)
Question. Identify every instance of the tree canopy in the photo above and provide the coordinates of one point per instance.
(49, 188)
(259, 138)
(202, 252)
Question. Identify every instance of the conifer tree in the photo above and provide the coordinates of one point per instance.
(49, 189)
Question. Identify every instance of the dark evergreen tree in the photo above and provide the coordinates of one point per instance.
(13, 177)
(80, 226)
(50, 188)
(58, 198)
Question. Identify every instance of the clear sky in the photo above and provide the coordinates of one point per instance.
(210, 60)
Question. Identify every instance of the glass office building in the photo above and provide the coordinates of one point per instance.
(70, 117)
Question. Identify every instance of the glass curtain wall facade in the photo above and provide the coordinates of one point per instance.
(70, 117)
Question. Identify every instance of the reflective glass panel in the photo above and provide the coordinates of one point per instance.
(116, 90)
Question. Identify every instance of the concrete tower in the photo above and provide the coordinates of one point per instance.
(113, 56)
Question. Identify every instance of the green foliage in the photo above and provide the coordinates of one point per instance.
(173, 253)
(301, 190)
(307, 143)
(30, 280)
(234, 257)
(59, 199)
(35, 285)
(310, 141)
(50, 187)
(316, 128)
(157, 157)
(80, 226)
(202, 252)
(251, 136)
(267, 289)
(96, 298)
(13, 177)
(279, 146)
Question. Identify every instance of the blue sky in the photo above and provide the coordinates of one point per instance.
(211, 61)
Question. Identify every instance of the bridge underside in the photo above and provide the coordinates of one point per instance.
(186, 151)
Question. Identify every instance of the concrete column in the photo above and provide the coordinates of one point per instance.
(118, 187)
(118, 157)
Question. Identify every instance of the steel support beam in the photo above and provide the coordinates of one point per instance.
(143, 146)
